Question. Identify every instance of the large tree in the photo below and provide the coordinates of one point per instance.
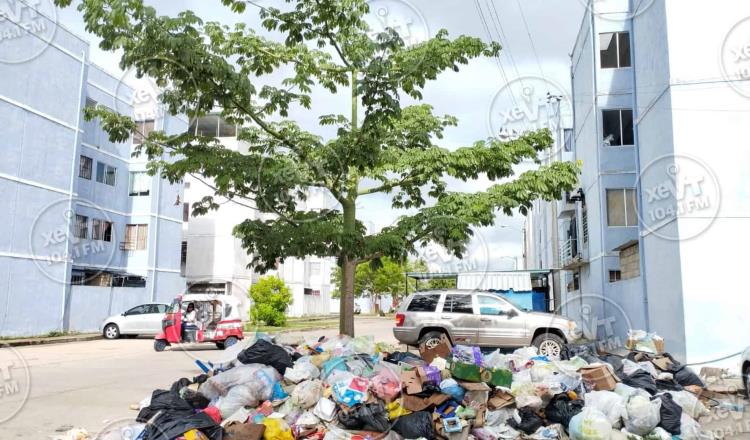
(378, 146)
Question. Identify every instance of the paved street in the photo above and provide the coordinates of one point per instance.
(92, 384)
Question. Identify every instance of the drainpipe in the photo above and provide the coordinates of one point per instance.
(639, 192)
(65, 312)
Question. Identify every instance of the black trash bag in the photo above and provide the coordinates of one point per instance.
(561, 409)
(585, 351)
(403, 356)
(671, 414)
(367, 416)
(415, 425)
(685, 377)
(165, 402)
(530, 422)
(428, 389)
(169, 428)
(641, 379)
(195, 399)
(668, 385)
(266, 353)
(616, 363)
(180, 384)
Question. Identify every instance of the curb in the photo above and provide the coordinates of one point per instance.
(45, 341)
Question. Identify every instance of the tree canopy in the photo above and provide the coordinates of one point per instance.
(379, 145)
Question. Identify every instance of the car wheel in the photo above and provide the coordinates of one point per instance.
(431, 339)
(549, 344)
(111, 331)
(160, 344)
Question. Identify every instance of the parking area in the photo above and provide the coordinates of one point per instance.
(92, 384)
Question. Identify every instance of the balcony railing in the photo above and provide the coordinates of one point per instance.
(572, 255)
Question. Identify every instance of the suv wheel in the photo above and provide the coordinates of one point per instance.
(549, 344)
(431, 339)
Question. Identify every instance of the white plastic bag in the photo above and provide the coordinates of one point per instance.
(590, 424)
(642, 415)
(499, 417)
(691, 430)
(689, 404)
(301, 371)
(325, 409)
(307, 394)
(609, 403)
(496, 360)
(629, 367)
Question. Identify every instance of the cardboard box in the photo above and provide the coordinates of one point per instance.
(411, 381)
(443, 349)
(475, 392)
(638, 345)
(500, 399)
(244, 431)
(601, 376)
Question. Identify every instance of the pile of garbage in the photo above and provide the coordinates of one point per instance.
(354, 388)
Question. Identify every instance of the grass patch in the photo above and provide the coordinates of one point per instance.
(296, 324)
(52, 334)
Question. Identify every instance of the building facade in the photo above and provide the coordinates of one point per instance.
(213, 258)
(653, 236)
(86, 232)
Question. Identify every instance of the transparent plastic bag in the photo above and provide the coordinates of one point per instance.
(642, 415)
(306, 394)
(496, 359)
(590, 424)
(363, 344)
(609, 403)
(386, 384)
(259, 377)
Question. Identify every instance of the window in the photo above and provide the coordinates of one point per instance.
(315, 269)
(585, 223)
(186, 212)
(142, 130)
(82, 226)
(101, 230)
(183, 253)
(568, 139)
(212, 126)
(458, 304)
(423, 303)
(617, 128)
(493, 306)
(105, 173)
(614, 49)
(140, 183)
(138, 310)
(135, 237)
(85, 167)
(621, 207)
(615, 276)
(77, 278)
(574, 282)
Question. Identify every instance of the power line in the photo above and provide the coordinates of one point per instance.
(497, 58)
(501, 33)
(531, 39)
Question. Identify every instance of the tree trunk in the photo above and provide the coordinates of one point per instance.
(346, 308)
(376, 303)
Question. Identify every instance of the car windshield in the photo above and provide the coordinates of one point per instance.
(174, 307)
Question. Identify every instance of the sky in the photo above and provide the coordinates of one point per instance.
(537, 37)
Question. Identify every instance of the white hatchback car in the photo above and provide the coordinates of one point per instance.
(144, 319)
(745, 369)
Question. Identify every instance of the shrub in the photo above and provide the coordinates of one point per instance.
(270, 299)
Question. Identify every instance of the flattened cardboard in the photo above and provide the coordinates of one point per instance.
(414, 403)
(244, 431)
(601, 376)
(443, 349)
(475, 391)
(501, 399)
(662, 363)
(411, 381)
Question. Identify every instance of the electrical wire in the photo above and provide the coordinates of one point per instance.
(497, 58)
(531, 39)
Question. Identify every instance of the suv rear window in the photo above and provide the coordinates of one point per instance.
(423, 303)
(458, 304)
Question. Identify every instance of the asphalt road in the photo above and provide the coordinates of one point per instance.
(92, 384)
